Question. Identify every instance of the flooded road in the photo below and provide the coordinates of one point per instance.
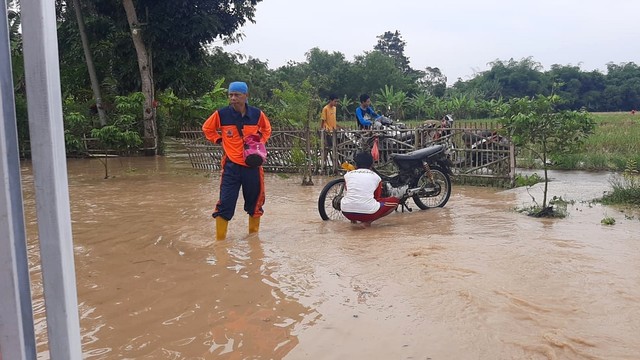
(473, 280)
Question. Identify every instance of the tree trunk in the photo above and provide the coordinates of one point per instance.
(95, 85)
(148, 114)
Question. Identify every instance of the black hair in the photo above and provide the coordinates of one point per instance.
(364, 97)
(364, 160)
(332, 97)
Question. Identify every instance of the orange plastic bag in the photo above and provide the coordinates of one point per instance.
(374, 150)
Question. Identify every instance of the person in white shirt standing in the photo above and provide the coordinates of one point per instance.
(362, 201)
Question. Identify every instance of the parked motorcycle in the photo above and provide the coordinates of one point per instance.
(393, 129)
(387, 136)
(481, 147)
(441, 132)
(484, 147)
(422, 175)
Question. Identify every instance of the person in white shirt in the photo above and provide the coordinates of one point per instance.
(362, 201)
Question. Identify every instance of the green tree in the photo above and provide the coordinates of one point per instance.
(178, 34)
(122, 134)
(373, 71)
(509, 79)
(95, 85)
(433, 82)
(294, 103)
(177, 113)
(623, 87)
(300, 106)
(535, 124)
(392, 45)
(325, 71)
(152, 44)
(149, 125)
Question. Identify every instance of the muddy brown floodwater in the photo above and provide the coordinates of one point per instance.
(472, 280)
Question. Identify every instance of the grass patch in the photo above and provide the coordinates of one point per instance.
(625, 189)
(528, 180)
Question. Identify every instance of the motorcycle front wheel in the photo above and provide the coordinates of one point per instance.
(431, 197)
(329, 200)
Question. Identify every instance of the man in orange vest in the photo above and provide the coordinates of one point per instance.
(229, 126)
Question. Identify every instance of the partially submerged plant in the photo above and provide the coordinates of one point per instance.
(536, 124)
(625, 187)
(608, 221)
(557, 208)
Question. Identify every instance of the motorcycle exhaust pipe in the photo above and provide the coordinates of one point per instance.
(420, 190)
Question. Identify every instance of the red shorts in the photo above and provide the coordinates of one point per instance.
(387, 205)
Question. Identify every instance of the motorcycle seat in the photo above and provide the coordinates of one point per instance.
(418, 154)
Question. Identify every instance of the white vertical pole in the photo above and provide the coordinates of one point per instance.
(17, 339)
(50, 177)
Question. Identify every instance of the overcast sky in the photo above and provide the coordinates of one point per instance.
(458, 36)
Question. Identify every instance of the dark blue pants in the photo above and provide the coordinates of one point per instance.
(234, 177)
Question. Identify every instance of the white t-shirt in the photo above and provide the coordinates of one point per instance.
(361, 184)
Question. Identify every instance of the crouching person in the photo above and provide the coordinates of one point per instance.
(362, 201)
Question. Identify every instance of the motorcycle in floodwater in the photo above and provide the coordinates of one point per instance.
(422, 175)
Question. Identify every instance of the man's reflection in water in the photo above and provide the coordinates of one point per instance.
(252, 317)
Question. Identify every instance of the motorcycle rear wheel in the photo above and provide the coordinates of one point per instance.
(434, 198)
(329, 200)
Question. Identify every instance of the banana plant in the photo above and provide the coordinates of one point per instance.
(345, 104)
(393, 101)
(400, 100)
(386, 98)
(438, 109)
(419, 102)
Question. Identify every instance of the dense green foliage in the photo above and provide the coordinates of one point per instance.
(190, 73)
(176, 36)
(618, 89)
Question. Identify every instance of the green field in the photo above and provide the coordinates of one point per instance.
(613, 146)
